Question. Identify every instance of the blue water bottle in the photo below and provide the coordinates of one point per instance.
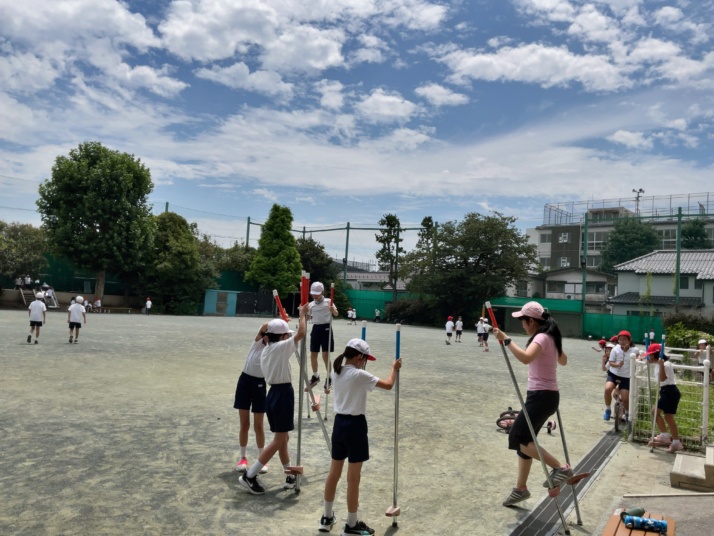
(645, 523)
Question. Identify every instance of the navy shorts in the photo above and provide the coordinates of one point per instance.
(250, 393)
(320, 337)
(459, 332)
(624, 382)
(349, 438)
(280, 406)
(484, 336)
(540, 405)
(73, 325)
(35, 323)
(668, 402)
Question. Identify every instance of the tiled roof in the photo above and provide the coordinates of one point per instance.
(697, 262)
(631, 298)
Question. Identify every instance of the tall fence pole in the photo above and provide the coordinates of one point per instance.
(347, 251)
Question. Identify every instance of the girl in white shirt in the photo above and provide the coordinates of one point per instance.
(349, 433)
(668, 402)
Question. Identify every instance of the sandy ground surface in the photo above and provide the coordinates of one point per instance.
(132, 431)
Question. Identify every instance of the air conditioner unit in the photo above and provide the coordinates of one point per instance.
(569, 297)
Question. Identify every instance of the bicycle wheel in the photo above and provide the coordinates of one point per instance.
(617, 416)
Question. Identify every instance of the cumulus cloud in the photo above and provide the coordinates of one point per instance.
(238, 76)
(440, 95)
(265, 193)
(332, 95)
(383, 106)
(632, 140)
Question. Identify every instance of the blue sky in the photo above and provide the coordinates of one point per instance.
(345, 110)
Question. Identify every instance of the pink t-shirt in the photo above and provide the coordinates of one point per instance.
(542, 371)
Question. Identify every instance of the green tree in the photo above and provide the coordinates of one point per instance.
(236, 258)
(316, 261)
(22, 249)
(276, 264)
(422, 258)
(95, 212)
(694, 235)
(179, 274)
(388, 254)
(630, 238)
(476, 259)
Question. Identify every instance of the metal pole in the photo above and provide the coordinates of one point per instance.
(567, 460)
(364, 330)
(583, 293)
(679, 255)
(247, 234)
(394, 511)
(347, 251)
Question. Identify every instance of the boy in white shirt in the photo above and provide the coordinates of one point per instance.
(75, 315)
(459, 329)
(449, 329)
(37, 312)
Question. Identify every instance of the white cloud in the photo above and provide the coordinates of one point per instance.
(238, 76)
(441, 96)
(592, 25)
(27, 73)
(304, 48)
(632, 140)
(265, 193)
(383, 106)
(331, 91)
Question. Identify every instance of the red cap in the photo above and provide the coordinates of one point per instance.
(624, 333)
(613, 338)
(602, 342)
(653, 349)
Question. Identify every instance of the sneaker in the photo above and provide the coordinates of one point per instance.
(328, 384)
(314, 380)
(264, 469)
(251, 484)
(674, 447)
(290, 482)
(558, 476)
(29, 339)
(516, 496)
(242, 465)
(663, 438)
(71, 340)
(625, 417)
(326, 523)
(37, 342)
(359, 528)
(608, 414)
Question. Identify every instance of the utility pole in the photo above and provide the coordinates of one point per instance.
(638, 194)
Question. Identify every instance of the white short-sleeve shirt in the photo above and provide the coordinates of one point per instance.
(76, 310)
(320, 311)
(36, 308)
(252, 363)
(351, 386)
(275, 361)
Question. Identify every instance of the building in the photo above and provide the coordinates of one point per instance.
(567, 284)
(560, 238)
(647, 285)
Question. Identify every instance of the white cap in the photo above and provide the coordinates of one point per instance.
(279, 327)
(80, 299)
(317, 288)
(485, 320)
(40, 295)
(702, 341)
(362, 347)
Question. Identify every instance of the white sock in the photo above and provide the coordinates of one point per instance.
(255, 469)
(260, 451)
(328, 509)
(351, 519)
(675, 441)
(243, 451)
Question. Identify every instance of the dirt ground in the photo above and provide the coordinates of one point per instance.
(132, 431)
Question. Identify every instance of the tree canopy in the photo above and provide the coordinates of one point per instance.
(629, 239)
(22, 249)
(276, 264)
(694, 235)
(315, 260)
(388, 254)
(95, 212)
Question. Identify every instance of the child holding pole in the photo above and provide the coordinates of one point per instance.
(668, 402)
(619, 371)
(543, 353)
(349, 432)
(280, 402)
(321, 337)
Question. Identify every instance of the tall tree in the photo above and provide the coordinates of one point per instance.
(422, 258)
(95, 210)
(276, 264)
(22, 249)
(630, 238)
(315, 260)
(388, 255)
(694, 235)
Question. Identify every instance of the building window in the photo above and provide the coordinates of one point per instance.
(668, 238)
(545, 262)
(595, 288)
(545, 238)
(564, 262)
(522, 289)
(564, 238)
(683, 282)
(597, 239)
(594, 261)
(698, 284)
(556, 286)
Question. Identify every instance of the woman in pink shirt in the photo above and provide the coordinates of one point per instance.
(542, 354)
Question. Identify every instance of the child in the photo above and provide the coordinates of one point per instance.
(543, 353)
(37, 312)
(669, 396)
(602, 343)
(449, 329)
(459, 329)
(147, 309)
(250, 392)
(75, 315)
(280, 402)
(479, 331)
(321, 338)
(349, 432)
(700, 355)
(484, 336)
(619, 370)
(607, 350)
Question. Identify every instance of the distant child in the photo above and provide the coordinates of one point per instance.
(250, 394)
(602, 343)
(280, 402)
(619, 372)
(702, 354)
(449, 329)
(148, 306)
(669, 396)
(606, 356)
(321, 310)
(349, 432)
(486, 328)
(75, 315)
(354, 316)
(652, 335)
(459, 329)
(479, 331)
(37, 312)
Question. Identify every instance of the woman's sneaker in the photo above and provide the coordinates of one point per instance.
(326, 523)
(314, 380)
(608, 414)
(290, 482)
(242, 465)
(558, 476)
(674, 447)
(251, 484)
(516, 496)
(360, 528)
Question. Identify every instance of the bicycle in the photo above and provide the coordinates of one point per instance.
(619, 407)
(507, 418)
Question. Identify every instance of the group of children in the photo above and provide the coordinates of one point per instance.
(269, 364)
(76, 315)
(482, 330)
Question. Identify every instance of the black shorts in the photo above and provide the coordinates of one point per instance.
(459, 332)
(320, 336)
(484, 336)
(73, 325)
(614, 378)
(250, 393)
(35, 323)
(280, 406)
(540, 405)
(668, 402)
(349, 438)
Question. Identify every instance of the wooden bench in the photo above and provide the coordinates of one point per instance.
(616, 527)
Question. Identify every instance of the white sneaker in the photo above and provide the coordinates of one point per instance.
(242, 465)
(264, 470)
(663, 438)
